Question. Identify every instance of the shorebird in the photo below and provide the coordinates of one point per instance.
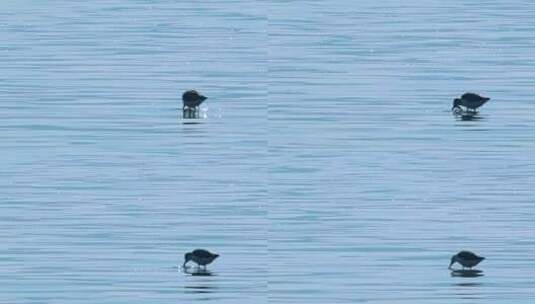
(470, 101)
(200, 256)
(466, 259)
(192, 99)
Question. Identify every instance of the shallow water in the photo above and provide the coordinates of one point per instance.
(104, 186)
(374, 184)
(326, 166)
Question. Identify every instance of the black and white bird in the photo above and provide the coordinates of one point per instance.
(470, 101)
(200, 256)
(192, 99)
(466, 259)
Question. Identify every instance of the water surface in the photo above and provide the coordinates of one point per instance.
(103, 185)
(326, 166)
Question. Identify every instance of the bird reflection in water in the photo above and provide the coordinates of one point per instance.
(192, 116)
(197, 271)
(188, 113)
(467, 273)
(462, 115)
(200, 289)
(199, 286)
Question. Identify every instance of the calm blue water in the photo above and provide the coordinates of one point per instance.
(326, 167)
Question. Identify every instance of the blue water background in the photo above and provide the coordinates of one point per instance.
(326, 166)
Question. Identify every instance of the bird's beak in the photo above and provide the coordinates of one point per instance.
(203, 97)
(451, 263)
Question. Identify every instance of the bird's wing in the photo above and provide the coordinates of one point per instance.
(471, 97)
(202, 253)
(467, 255)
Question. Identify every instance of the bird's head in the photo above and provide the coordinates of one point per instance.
(456, 103)
(453, 260)
(187, 258)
